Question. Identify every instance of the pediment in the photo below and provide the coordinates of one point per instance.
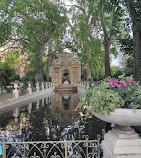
(65, 59)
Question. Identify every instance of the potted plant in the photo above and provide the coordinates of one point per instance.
(114, 100)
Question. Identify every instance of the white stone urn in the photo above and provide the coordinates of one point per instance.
(123, 117)
(122, 141)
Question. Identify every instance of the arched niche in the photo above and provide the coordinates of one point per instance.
(66, 76)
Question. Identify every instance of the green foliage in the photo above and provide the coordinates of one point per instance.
(97, 60)
(5, 31)
(29, 77)
(126, 47)
(109, 94)
(36, 23)
(116, 71)
(7, 74)
(113, 16)
(11, 57)
(85, 33)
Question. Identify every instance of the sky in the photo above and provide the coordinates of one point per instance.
(115, 61)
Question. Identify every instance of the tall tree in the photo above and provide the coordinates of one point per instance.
(134, 8)
(110, 18)
(34, 23)
(84, 30)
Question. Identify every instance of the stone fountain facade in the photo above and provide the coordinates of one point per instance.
(66, 70)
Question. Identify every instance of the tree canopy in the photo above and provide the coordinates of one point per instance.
(34, 25)
(97, 29)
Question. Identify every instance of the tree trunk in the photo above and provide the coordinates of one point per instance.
(48, 61)
(107, 56)
(136, 40)
(107, 44)
(88, 68)
(39, 74)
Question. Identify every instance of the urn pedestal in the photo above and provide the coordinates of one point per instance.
(122, 141)
(121, 145)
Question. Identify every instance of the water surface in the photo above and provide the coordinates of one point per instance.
(52, 118)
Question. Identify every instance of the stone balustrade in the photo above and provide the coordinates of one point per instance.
(86, 84)
(39, 86)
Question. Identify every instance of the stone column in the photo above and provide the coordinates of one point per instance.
(87, 86)
(53, 85)
(29, 108)
(16, 114)
(46, 85)
(83, 84)
(75, 78)
(37, 104)
(37, 86)
(49, 84)
(92, 84)
(57, 79)
(29, 89)
(42, 85)
(121, 144)
(16, 91)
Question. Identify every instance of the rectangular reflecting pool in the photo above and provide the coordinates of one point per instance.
(49, 119)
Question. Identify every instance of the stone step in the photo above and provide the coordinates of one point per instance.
(68, 87)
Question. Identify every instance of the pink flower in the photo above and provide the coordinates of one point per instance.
(116, 84)
(124, 84)
(16, 82)
(29, 82)
(115, 80)
(129, 80)
(110, 82)
(119, 85)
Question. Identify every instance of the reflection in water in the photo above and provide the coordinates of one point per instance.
(63, 107)
(52, 118)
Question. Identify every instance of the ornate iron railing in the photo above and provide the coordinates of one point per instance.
(52, 149)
